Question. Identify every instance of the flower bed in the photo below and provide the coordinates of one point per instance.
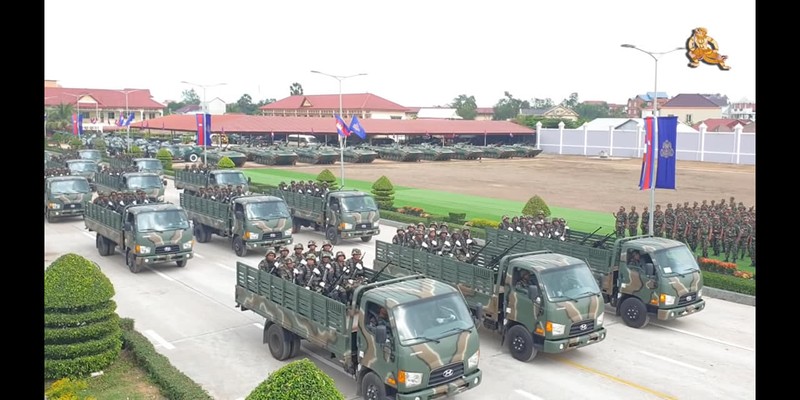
(722, 267)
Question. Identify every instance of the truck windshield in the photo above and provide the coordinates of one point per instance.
(267, 210)
(90, 155)
(144, 182)
(358, 203)
(231, 178)
(73, 186)
(676, 260)
(149, 165)
(431, 318)
(163, 220)
(82, 166)
(571, 282)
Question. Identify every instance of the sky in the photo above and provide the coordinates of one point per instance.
(415, 53)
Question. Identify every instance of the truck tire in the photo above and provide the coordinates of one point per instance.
(295, 346)
(201, 233)
(239, 247)
(104, 246)
(520, 343)
(194, 157)
(280, 344)
(181, 263)
(634, 313)
(372, 387)
(48, 217)
(366, 238)
(332, 234)
(130, 259)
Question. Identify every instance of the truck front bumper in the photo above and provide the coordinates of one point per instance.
(447, 390)
(674, 313)
(268, 243)
(162, 258)
(560, 346)
(360, 233)
(67, 210)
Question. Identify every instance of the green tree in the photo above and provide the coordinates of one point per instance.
(59, 118)
(244, 105)
(383, 190)
(298, 380)
(165, 157)
(327, 176)
(190, 96)
(174, 106)
(542, 103)
(81, 328)
(225, 163)
(465, 106)
(295, 89)
(590, 111)
(570, 102)
(508, 108)
(75, 143)
(535, 205)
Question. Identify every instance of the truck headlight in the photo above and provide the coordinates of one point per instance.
(472, 362)
(287, 232)
(54, 206)
(251, 235)
(410, 378)
(600, 319)
(556, 329)
(700, 293)
(345, 226)
(667, 300)
(160, 198)
(142, 249)
(187, 245)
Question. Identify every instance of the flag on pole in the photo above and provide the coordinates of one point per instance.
(356, 128)
(665, 151)
(203, 129)
(510, 134)
(75, 124)
(646, 176)
(121, 120)
(341, 127)
(129, 120)
(147, 123)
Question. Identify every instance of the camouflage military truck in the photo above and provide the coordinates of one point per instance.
(192, 181)
(426, 346)
(250, 221)
(151, 183)
(146, 234)
(85, 168)
(142, 164)
(65, 196)
(90, 154)
(537, 301)
(340, 213)
(665, 283)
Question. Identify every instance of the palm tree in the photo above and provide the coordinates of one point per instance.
(59, 118)
(295, 89)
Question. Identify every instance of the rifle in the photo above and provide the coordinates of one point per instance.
(498, 257)
(590, 235)
(600, 242)
(475, 256)
(377, 274)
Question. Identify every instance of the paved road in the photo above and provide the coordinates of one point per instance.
(189, 314)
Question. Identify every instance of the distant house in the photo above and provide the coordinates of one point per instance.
(364, 105)
(627, 124)
(189, 109)
(721, 124)
(557, 112)
(484, 113)
(742, 110)
(641, 105)
(691, 108)
(104, 107)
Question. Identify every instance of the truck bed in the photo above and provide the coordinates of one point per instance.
(104, 221)
(599, 259)
(302, 205)
(108, 182)
(189, 179)
(209, 212)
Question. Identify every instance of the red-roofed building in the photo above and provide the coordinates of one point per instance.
(104, 106)
(721, 124)
(691, 107)
(364, 105)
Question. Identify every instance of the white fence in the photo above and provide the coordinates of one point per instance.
(735, 147)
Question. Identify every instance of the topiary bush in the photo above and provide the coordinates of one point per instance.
(81, 331)
(225, 163)
(534, 206)
(383, 190)
(483, 223)
(136, 151)
(67, 389)
(327, 176)
(165, 157)
(99, 144)
(298, 380)
(75, 143)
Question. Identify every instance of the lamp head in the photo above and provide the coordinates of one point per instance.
(630, 46)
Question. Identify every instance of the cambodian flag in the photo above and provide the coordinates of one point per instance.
(647, 175)
(203, 129)
(341, 127)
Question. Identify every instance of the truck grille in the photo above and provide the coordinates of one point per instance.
(581, 328)
(73, 206)
(272, 235)
(363, 226)
(687, 299)
(446, 374)
(173, 248)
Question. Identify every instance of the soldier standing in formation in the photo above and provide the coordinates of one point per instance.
(633, 221)
(621, 222)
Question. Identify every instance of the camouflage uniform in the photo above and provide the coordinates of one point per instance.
(681, 224)
(633, 221)
(704, 234)
(669, 221)
(658, 221)
(645, 221)
(731, 239)
(716, 234)
(268, 263)
(693, 220)
(746, 232)
(753, 246)
(621, 222)
(297, 256)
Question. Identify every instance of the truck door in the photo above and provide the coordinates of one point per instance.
(519, 306)
(332, 211)
(383, 353)
(633, 278)
(129, 235)
(238, 218)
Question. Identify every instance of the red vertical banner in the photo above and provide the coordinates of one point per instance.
(646, 177)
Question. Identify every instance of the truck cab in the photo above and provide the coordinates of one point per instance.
(349, 214)
(156, 233)
(653, 276)
(85, 168)
(90, 154)
(151, 183)
(149, 165)
(65, 196)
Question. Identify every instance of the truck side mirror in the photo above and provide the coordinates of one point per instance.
(479, 312)
(533, 293)
(380, 335)
(649, 269)
(127, 226)
(249, 180)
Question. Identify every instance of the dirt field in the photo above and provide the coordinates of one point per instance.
(562, 181)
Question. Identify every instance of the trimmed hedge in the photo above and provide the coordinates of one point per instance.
(165, 157)
(535, 205)
(79, 367)
(82, 349)
(298, 380)
(72, 281)
(327, 176)
(383, 190)
(80, 316)
(174, 384)
(225, 163)
(729, 283)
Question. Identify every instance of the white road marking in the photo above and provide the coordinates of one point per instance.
(259, 326)
(161, 274)
(705, 337)
(89, 235)
(683, 364)
(226, 267)
(160, 340)
(527, 395)
(198, 255)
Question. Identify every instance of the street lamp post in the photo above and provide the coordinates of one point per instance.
(128, 127)
(205, 111)
(45, 119)
(654, 55)
(342, 141)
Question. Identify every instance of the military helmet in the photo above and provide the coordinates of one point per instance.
(326, 254)
(288, 260)
(270, 252)
(340, 253)
(356, 251)
(284, 248)
(311, 243)
(298, 246)
(327, 243)
(311, 256)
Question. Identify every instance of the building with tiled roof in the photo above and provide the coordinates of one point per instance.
(364, 105)
(104, 106)
(721, 124)
(742, 110)
(691, 108)
(642, 104)
(556, 112)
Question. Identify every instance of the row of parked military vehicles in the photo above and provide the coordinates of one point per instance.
(534, 295)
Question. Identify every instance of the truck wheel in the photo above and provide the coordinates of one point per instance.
(295, 225)
(332, 234)
(181, 263)
(104, 247)
(366, 238)
(239, 247)
(130, 259)
(49, 217)
(520, 343)
(201, 233)
(295, 346)
(194, 157)
(280, 345)
(634, 313)
(372, 388)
